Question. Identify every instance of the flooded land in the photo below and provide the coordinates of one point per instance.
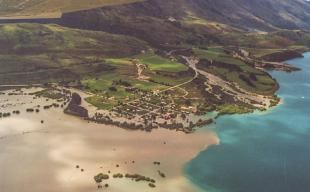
(59, 152)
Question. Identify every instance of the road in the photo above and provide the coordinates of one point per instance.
(192, 64)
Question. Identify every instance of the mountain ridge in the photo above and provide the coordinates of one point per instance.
(260, 15)
(193, 22)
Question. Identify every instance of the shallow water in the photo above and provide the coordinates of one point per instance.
(264, 151)
(37, 157)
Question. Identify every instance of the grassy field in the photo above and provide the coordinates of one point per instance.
(118, 61)
(100, 102)
(232, 109)
(109, 92)
(157, 63)
(102, 83)
(152, 61)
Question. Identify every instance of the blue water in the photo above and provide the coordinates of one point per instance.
(262, 152)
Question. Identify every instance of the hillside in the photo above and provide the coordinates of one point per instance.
(49, 8)
(186, 22)
(34, 53)
(262, 15)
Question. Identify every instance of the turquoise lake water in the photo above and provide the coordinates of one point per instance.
(262, 152)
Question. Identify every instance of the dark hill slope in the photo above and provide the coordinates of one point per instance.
(288, 14)
(146, 20)
(192, 22)
(263, 15)
(256, 14)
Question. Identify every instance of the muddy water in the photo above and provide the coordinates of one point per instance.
(36, 157)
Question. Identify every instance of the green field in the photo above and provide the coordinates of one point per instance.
(157, 63)
(103, 82)
(152, 61)
(232, 109)
(100, 102)
(106, 98)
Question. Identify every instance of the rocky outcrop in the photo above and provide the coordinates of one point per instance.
(75, 108)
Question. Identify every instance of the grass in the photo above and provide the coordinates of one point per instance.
(232, 109)
(218, 54)
(192, 19)
(103, 83)
(38, 49)
(33, 8)
(118, 61)
(262, 52)
(38, 38)
(264, 83)
(153, 61)
(158, 63)
(49, 93)
(100, 102)
(169, 80)
(106, 98)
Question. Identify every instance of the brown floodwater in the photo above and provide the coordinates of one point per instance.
(36, 157)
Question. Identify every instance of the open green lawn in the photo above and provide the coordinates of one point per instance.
(158, 63)
(118, 61)
(101, 103)
(153, 61)
(105, 81)
(232, 109)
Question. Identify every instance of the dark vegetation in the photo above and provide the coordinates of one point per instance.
(282, 56)
(75, 108)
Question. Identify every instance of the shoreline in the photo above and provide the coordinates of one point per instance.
(256, 112)
(176, 177)
(63, 141)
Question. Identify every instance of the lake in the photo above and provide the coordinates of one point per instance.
(263, 151)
